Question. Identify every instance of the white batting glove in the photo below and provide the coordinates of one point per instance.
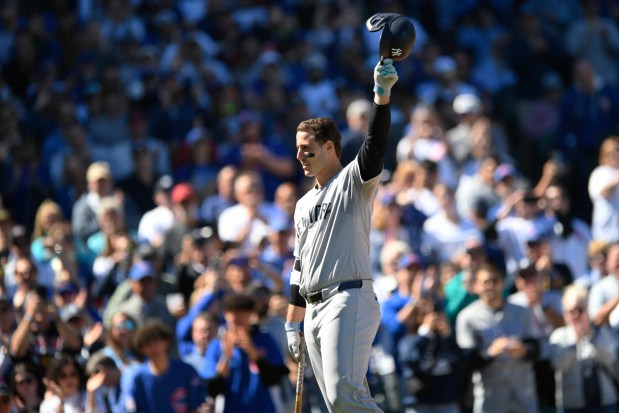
(385, 77)
(294, 340)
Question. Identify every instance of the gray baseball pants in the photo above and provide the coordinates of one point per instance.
(339, 333)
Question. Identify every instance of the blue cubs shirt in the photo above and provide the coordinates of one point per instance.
(244, 392)
(178, 390)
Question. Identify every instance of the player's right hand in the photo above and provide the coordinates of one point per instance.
(385, 77)
(294, 341)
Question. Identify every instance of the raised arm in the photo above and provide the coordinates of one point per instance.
(372, 151)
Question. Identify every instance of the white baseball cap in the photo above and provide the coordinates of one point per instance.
(466, 103)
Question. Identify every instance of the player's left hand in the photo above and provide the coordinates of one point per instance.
(385, 77)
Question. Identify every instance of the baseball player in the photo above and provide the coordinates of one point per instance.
(331, 285)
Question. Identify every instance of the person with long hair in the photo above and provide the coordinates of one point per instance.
(27, 388)
(64, 382)
(118, 341)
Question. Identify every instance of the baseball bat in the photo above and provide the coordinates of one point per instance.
(298, 402)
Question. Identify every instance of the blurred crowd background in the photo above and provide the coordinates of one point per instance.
(148, 182)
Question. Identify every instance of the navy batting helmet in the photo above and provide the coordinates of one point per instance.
(398, 36)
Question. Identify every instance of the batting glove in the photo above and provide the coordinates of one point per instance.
(385, 77)
(294, 340)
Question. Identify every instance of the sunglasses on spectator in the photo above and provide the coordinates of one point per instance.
(125, 325)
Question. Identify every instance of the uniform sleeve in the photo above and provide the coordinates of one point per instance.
(372, 151)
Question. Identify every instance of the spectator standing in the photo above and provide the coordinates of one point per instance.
(41, 334)
(161, 383)
(84, 222)
(446, 232)
(604, 295)
(103, 392)
(584, 359)
(589, 114)
(432, 363)
(358, 122)
(498, 338)
(243, 362)
(118, 340)
(64, 381)
(203, 330)
(155, 222)
(144, 303)
(546, 316)
(595, 37)
(571, 235)
(212, 206)
(27, 388)
(604, 194)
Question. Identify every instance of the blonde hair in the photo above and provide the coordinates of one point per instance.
(574, 293)
(47, 207)
(394, 248)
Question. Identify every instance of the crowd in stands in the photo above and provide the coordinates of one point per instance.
(148, 182)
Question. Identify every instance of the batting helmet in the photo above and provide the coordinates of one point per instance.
(398, 36)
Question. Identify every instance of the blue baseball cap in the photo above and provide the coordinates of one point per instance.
(409, 259)
(141, 270)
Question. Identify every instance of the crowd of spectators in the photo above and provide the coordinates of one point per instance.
(148, 183)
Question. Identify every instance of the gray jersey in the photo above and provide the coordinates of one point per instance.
(332, 230)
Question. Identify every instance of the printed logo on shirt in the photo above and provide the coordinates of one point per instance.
(178, 400)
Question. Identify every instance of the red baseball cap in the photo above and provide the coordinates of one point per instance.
(182, 192)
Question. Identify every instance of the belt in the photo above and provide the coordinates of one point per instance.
(322, 295)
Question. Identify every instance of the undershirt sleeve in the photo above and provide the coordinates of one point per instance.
(372, 151)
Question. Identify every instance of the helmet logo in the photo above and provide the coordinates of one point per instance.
(396, 52)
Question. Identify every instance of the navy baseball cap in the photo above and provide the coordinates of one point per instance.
(141, 270)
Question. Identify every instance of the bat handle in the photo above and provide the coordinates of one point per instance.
(298, 403)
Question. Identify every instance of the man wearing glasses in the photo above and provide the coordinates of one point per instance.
(498, 339)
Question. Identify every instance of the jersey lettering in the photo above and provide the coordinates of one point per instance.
(319, 212)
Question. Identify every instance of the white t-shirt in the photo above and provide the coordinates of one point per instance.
(605, 220)
(155, 223)
(447, 238)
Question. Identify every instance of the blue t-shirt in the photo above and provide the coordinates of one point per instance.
(244, 392)
(178, 390)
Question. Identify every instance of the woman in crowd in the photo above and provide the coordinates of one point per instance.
(27, 388)
(65, 387)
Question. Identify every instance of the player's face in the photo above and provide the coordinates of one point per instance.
(310, 153)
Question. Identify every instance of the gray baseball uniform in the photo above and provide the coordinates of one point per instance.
(332, 246)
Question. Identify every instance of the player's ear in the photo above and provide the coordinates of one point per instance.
(330, 146)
